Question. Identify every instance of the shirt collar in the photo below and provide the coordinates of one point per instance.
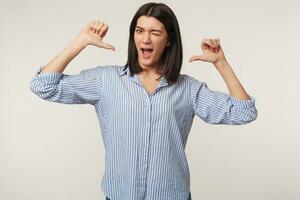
(163, 80)
(123, 70)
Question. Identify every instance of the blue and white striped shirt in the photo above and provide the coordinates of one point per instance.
(144, 135)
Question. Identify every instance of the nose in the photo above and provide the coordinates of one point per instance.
(146, 38)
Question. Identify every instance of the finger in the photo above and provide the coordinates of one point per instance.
(103, 30)
(214, 41)
(204, 44)
(196, 57)
(219, 44)
(218, 41)
(108, 46)
(212, 45)
(216, 46)
(95, 24)
(207, 44)
(98, 27)
(91, 25)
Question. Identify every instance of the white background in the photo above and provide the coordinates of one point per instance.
(54, 151)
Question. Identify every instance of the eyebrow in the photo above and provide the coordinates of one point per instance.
(150, 30)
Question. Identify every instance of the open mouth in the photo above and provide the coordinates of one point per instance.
(147, 52)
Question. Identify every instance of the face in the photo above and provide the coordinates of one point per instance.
(150, 39)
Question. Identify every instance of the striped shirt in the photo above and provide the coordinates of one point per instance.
(144, 135)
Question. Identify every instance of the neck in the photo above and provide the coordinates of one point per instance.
(155, 70)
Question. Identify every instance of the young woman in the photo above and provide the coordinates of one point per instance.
(146, 108)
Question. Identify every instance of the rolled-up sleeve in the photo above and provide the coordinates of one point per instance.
(82, 88)
(215, 107)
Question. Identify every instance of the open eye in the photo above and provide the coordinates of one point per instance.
(138, 30)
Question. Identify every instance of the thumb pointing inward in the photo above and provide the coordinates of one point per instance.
(108, 46)
(196, 57)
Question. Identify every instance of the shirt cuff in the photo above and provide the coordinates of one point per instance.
(240, 103)
(48, 77)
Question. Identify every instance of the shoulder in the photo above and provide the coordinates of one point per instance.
(191, 81)
(108, 69)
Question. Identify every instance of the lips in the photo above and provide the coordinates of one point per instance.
(146, 52)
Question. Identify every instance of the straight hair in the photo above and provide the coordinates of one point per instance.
(172, 55)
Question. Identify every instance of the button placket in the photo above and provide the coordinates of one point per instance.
(146, 140)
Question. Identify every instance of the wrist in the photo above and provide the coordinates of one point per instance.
(221, 63)
(79, 43)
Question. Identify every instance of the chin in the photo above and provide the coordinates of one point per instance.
(146, 63)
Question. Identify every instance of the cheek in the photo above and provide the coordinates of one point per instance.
(160, 50)
(161, 45)
(136, 40)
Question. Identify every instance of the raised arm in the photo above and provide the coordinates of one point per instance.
(92, 34)
(216, 107)
(85, 87)
(213, 52)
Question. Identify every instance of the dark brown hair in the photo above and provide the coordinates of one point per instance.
(172, 55)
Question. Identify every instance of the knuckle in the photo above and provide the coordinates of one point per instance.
(91, 23)
(95, 23)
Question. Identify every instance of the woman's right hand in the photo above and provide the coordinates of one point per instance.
(93, 34)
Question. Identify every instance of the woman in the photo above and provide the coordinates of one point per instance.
(146, 108)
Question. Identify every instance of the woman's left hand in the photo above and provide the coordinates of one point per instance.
(211, 51)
